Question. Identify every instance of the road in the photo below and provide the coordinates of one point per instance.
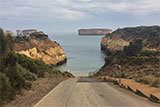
(87, 92)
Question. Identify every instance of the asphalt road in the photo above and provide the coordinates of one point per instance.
(87, 92)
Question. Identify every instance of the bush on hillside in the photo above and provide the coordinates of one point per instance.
(139, 60)
(150, 53)
(33, 65)
(6, 44)
(109, 59)
(25, 73)
(39, 35)
(15, 77)
(156, 83)
(21, 38)
(146, 80)
(141, 31)
(41, 74)
(54, 71)
(7, 93)
(28, 85)
(134, 48)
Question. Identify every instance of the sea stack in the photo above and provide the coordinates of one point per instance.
(94, 31)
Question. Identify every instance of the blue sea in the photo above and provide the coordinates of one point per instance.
(83, 52)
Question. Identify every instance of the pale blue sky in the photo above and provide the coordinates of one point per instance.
(70, 15)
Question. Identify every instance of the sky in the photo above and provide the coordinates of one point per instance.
(70, 15)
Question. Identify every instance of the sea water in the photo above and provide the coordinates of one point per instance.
(83, 52)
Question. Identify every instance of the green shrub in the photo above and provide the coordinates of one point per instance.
(33, 65)
(156, 83)
(108, 59)
(146, 80)
(40, 74)
(6, 44)
(139, 60)
(134, 48)
(28, 85)
(15, 77)
(38, 35)
(123, 75)
(54, 71)
(150, 53)
(6, 91)
(26, 74)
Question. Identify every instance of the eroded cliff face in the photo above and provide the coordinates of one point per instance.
(107, 43)
(50, 52)
(122, 37)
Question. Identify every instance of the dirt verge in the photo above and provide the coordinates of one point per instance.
(40, 87)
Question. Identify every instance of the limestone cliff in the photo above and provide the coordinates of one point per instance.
(122, 37)
(113, 44)
(94, 31)
(39, 46)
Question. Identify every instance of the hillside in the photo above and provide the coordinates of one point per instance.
(25, 80)
(136, 50)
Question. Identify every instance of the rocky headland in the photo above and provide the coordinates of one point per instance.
(94, 31)
(122, 37)
(133, 53)
(39, 46)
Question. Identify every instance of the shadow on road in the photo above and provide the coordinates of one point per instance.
(88, 79)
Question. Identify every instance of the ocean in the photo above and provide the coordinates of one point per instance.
(83, 52)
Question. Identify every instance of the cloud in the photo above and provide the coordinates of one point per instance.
(118, 7)
(138, 7)
(84, 0)
(71, 14)
(74, 9)
(146, 7)
(38, 8)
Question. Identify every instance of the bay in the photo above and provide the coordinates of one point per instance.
(83, 52)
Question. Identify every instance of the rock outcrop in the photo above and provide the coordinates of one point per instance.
(94, 31)
(39, 46)
(29, 31)
(139, 61)
(8, 32)
(122, 37)
(113, 45)
(19, 33)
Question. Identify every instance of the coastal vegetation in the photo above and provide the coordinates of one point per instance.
(140, 60)
(17, 71)
(151, 33)
(137, 65)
